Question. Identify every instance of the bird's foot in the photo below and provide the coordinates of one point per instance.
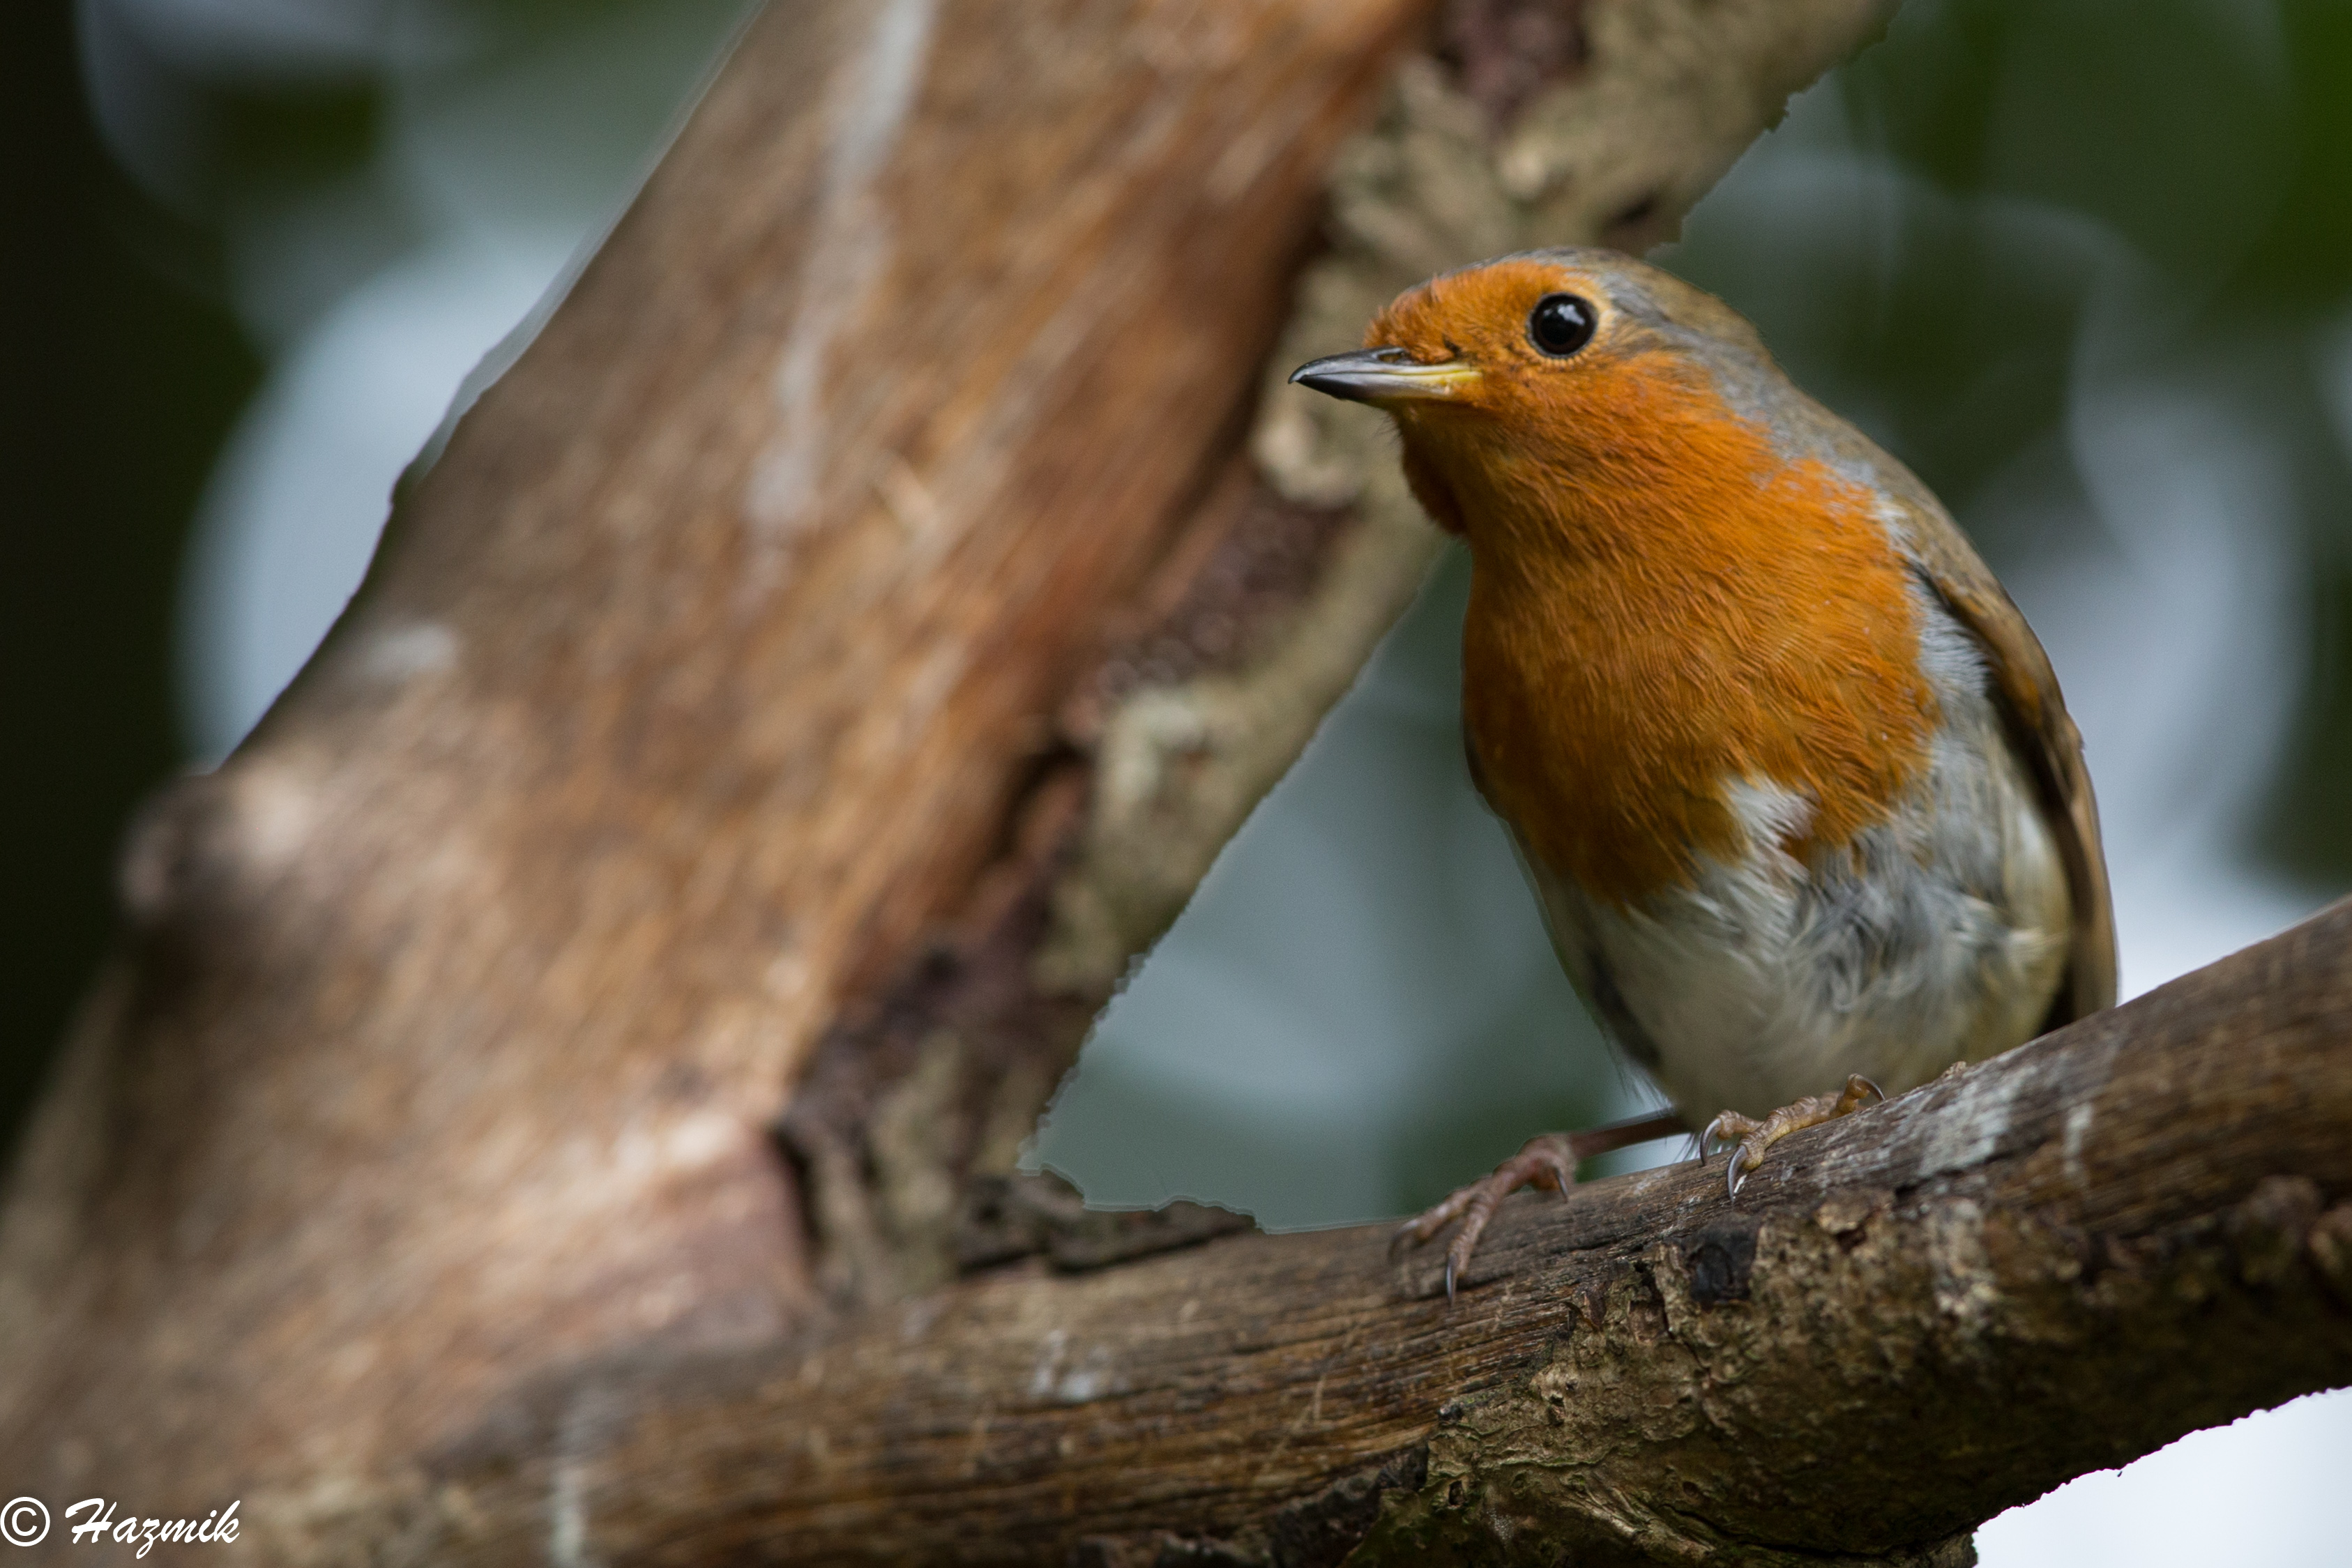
(1753, 1137)
(1548, 1162)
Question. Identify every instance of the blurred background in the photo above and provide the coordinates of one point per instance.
(2086, 265)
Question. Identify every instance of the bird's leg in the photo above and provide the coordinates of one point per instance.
(1754, 1137)
(1547, 1161)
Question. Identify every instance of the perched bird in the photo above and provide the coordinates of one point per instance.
(1789, 774)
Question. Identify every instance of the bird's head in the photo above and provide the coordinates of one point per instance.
(1541, 395)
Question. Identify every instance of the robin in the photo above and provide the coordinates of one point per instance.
(1789, 772)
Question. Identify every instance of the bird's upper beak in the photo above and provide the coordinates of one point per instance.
(1383, 376)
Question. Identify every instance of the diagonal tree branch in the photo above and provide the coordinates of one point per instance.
(693, 692)
(1907, 1321)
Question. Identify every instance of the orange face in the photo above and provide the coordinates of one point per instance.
(1532, 339)
(1675, 590)
(1559, 379)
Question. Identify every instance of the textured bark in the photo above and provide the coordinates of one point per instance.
(691, 694)
(1907, 1321)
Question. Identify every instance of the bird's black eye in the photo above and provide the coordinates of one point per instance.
(1560, 324)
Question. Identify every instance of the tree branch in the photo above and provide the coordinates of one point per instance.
(1907, 1321)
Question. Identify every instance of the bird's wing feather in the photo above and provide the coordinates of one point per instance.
(2026, 689)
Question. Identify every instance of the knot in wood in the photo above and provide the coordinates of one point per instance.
(1722, 1258)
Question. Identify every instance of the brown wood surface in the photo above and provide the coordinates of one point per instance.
(1907, 1321)
(690, 684)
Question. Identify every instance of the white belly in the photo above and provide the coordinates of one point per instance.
(1944, 939)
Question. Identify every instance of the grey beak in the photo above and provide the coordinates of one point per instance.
(1381, 376)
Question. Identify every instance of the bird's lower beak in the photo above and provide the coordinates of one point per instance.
(1383, 376)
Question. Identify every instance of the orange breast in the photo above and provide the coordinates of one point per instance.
(1682, 611)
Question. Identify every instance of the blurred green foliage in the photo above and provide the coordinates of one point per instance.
(2301, 260)
(2030, 144)
(119, 372)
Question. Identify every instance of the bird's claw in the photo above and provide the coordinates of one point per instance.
(1706, 1147)
(1546, 1161)
(1750, 1138)
(1706, 1140)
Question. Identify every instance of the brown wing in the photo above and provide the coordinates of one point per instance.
(2024, 686)
(2045, 738)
